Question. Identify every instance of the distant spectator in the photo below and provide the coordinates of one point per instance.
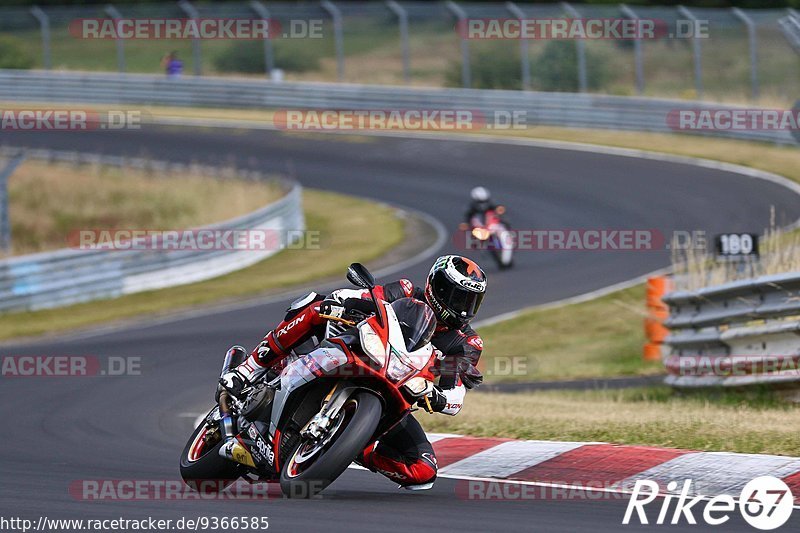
(172, 65)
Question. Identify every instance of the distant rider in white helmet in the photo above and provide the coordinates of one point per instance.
(481, 203)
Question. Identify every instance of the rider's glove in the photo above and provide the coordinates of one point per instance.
(437, 399)
(348, 309)
(332, 308)
(470, 376)
(234, 382)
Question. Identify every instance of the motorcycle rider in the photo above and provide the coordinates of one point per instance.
(454, 289)
(481, 203)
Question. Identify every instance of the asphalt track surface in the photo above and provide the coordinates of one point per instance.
(60, 430)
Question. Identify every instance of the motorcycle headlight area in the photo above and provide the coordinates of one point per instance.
(398, 369)
(481, 233)
(372, 345)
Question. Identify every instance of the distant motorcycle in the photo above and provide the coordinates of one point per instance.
(493, 235)
(305, 425)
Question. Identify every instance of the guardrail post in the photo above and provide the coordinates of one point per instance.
(114, 13)
(580, 49)
(524, 59)
(753, 39)
(790, 25)
(44, 24)
(263, 12)
(637, 50)
(402, 22)
(338, 35)
(5, 224)
(197, 57)
(698, 52)
(466, 68)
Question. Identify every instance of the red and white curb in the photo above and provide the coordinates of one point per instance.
(613, 467)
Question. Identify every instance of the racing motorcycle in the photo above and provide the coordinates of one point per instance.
(493, 235)
(305, 425)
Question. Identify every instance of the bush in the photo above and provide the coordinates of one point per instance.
(13, 54)
(248, 56)
(493, 67)
(556, 68)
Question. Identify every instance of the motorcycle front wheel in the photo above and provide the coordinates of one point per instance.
(312, 466)
(202, 468)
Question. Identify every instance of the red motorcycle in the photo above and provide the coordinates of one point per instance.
(492, 234)
(305, 425)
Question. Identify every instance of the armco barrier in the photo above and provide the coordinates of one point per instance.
(538, 108)
(737, 334)
(70, 276)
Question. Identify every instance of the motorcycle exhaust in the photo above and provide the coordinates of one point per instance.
(234, 357)
(234, 451)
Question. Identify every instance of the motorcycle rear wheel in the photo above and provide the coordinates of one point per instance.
(304, 479)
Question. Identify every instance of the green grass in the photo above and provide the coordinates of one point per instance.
(757, 422)
(602, 337)
(372, 230)
(49, 201)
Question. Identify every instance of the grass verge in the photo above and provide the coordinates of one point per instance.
(48, 201)
(372, 230)
(734, 422)
(599, 338)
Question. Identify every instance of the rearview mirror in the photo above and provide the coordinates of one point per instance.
(358, 275)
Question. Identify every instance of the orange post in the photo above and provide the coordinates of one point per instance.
(657, 312)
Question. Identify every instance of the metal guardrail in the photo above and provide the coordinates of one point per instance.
(70, 276)
(537, 108)
(737, 334)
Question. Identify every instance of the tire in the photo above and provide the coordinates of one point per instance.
(350, 440)
(206, 465)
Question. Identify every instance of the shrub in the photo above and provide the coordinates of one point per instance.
(556, 68)
(493, 67)
(248, 56)
(13, 53)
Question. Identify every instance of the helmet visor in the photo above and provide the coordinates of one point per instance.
(416, 320)
(463, 302)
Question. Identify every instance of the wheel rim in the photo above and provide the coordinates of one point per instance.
(198, 445)
(303, 456)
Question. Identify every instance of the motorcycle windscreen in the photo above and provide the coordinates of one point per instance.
(464, 302)
(416, 320)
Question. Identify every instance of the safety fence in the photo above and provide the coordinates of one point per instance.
(494, 106)
(70, 276)
(738, 334)
(704, 51)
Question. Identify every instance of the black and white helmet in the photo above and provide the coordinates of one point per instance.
(455, 289)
